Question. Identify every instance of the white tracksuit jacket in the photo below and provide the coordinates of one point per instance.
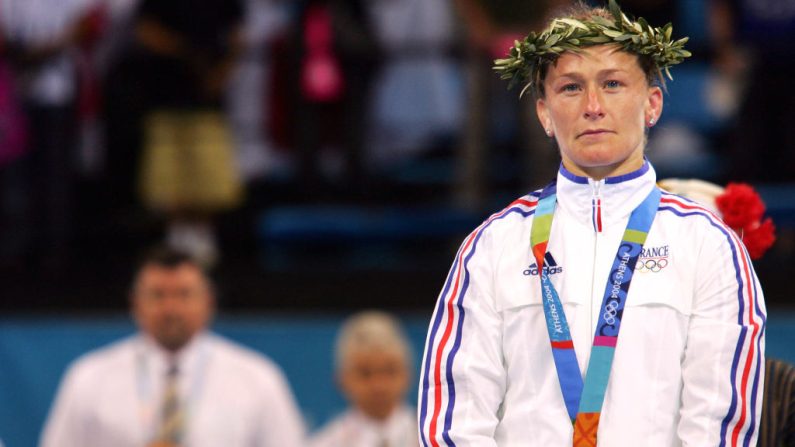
(689, 363)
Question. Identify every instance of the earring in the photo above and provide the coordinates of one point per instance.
(651, 122)
(549, 132)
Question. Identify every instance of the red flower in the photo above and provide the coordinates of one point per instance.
(740, 206)
(759, 238)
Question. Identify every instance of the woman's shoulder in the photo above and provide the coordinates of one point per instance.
(514, 215)
(510, 223)
(692, 213)
(692, 221)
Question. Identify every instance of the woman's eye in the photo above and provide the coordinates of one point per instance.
(612, 84)
(570, 88)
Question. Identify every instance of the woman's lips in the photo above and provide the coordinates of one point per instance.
(594, 132)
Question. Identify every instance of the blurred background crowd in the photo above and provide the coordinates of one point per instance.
(324, 156)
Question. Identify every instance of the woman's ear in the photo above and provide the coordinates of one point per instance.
(543, 117)
(654, 106)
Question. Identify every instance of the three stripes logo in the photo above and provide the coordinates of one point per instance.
(550, 267)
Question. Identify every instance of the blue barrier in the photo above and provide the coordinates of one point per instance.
(346, 224)
(34, 353)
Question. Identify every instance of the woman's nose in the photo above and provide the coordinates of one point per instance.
(593, 105)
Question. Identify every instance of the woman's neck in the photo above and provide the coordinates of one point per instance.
(601, 172)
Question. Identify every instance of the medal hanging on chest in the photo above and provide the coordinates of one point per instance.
(584, 399)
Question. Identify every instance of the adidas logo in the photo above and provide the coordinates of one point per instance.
(550, 267)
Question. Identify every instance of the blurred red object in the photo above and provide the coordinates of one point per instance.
(13, 125)
(502, 44)
(740, 205)
(742, 209)
(760, 238)
(321, 74)
(92, 26)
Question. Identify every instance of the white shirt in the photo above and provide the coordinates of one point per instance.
(689, 362)
(413, 24)
(38, 23)
(354, 429)
(234, 397)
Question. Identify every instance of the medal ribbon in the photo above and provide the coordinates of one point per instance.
(584, 400)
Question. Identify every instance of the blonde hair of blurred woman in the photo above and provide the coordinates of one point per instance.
(373, 363)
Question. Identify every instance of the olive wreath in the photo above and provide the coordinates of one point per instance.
(526, 57)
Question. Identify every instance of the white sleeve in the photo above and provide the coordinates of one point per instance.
(281, 422)
(462, 381)
(723, 365)
(66, 421)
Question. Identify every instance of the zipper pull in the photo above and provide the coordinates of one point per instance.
(596, 206)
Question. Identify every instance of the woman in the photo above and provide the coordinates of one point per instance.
(373, 364)
(524, 348)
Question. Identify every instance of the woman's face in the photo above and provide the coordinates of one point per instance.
(597, 104)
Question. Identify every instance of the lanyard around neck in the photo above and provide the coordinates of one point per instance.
(584, 400)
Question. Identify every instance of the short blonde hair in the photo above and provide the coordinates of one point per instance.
(371, 330)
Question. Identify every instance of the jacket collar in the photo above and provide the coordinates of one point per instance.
(604, 202)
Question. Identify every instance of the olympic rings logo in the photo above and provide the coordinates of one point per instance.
(651, 265)
(611, 308)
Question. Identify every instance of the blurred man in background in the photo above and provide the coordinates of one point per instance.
(174, 383)
(187, 50)
(373, 370)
